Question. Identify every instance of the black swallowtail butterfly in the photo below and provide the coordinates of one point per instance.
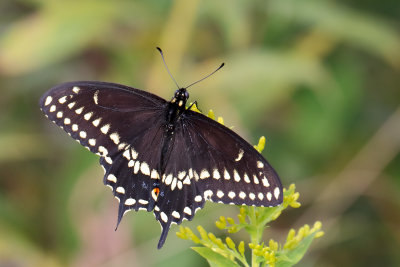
(161, 156)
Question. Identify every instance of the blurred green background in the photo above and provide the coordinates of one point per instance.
(320, 79)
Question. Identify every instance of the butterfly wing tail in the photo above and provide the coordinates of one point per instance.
(164, 234)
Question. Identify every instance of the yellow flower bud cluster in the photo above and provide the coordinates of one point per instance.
(267, 252)
(254, 220)
(294, 239)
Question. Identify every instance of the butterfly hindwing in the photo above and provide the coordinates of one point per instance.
(180, 197)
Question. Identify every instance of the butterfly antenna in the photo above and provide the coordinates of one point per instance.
(206, 76)
(165, 64)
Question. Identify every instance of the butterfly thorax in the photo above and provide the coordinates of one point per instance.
(176, 107)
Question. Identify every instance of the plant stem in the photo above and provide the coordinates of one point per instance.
(255, 235)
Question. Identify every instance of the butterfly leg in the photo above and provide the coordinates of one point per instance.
(194, 104)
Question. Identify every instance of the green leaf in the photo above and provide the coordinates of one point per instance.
(213, 258)
(293, 256)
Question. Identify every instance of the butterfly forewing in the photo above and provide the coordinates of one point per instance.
(229, 169)
(101, 116)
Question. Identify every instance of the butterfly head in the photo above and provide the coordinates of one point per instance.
(180, 97)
